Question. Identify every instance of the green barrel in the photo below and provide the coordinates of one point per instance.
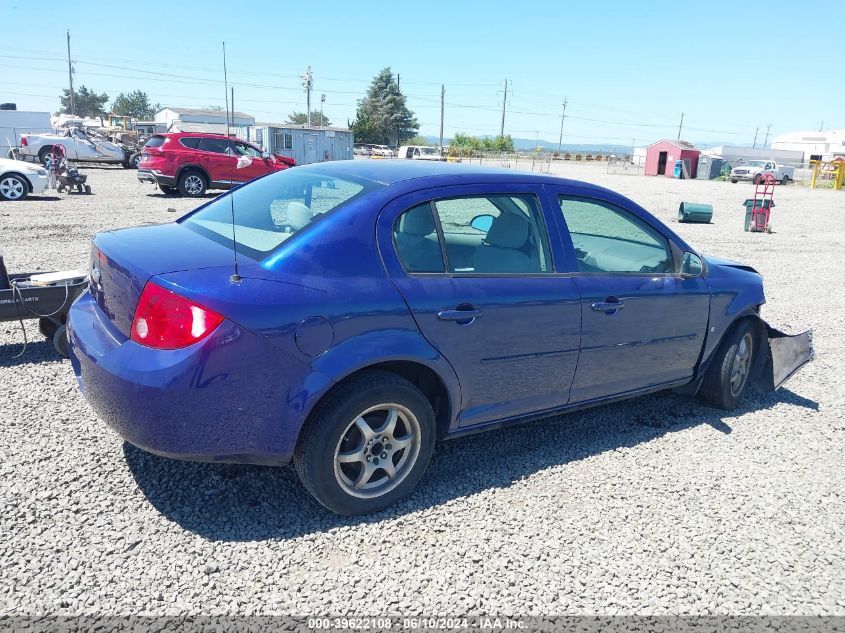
(761, 204)
(695, 212)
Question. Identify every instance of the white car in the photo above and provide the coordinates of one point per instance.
(78, 145)
(19, 179)
(383, 150)
(420, 152)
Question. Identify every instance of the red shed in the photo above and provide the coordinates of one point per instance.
(660, 157)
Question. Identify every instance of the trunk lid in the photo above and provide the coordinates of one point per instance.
(123, 261)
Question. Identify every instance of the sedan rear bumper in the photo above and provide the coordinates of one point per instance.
(228, 398)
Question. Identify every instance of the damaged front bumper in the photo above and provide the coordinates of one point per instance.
(782, 356)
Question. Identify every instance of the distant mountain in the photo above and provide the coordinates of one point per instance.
(528, 144)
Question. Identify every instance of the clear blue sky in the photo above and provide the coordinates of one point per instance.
(630, 66)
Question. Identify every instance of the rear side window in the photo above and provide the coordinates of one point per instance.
(216, 145)
(155, 141)
(415, 237)
(191, 142)
(272, 209)
(494, 234)
(608, 239)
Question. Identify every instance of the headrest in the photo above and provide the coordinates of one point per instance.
(508, 231)
(298, 215)
(418, 221)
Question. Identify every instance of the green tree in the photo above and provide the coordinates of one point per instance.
(301, 118)
(135, 104)
(87, 103)
(466, 144)
(383, 116)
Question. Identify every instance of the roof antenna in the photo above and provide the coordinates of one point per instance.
(235, 278)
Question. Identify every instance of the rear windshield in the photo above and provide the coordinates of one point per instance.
(270, 210)
(155, 141)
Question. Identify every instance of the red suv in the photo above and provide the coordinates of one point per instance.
(190, 164)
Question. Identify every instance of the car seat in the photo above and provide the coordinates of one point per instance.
(418, 253)
(502, 251)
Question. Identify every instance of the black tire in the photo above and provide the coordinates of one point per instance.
(13, 187)
(330, 427)
(784, 180)
(134, 160)
(46, 157)
(47, 328)
(757, 179)
(734, 180)
(60, 341)
(88, 189)
(167, 190)
(192, 183)
(718, 388)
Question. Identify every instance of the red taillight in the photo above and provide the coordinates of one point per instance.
(23, 141)
(165, 320)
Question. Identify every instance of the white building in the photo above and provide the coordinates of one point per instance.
(815, 145)
(733, 154)
(212, 121)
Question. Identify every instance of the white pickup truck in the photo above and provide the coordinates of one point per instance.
(78, 146)
(753, 170)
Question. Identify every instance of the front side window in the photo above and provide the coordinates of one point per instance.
(608, 239)
(493, 234)
(417, 244)
(271, 209)
(242, 149)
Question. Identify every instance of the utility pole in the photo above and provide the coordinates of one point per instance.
(504, 104)
(322, 101)
(560, 139)
(442, 113)
(681, 126)
(754, 145)
(70, 76)
(307, 83)
(821, 127)
(398, 83)
(768, 128)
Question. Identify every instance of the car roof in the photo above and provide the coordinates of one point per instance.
(394, 171)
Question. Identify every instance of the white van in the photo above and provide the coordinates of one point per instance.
(420, 152)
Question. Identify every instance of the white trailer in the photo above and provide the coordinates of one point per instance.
(13, 123)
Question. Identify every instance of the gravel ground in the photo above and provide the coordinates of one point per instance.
(655, 506)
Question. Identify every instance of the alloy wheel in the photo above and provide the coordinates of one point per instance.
(377, 450)
(194, 185)
(11, 188)
(741, 364)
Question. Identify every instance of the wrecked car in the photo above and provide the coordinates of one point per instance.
(78, 146)
(348, 315)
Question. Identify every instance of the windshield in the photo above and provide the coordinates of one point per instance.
(274, 208)
(756, 163)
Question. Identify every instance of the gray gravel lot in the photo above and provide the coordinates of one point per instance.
(655, 506)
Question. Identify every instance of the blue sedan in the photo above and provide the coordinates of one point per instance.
(349, 315)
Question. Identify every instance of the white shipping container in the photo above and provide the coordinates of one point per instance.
(13, 123)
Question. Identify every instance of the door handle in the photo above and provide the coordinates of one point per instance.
(458, 315)
(608, 306)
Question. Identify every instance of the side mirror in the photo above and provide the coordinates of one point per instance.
(266, 155)
(482, 222)
(691, 265)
